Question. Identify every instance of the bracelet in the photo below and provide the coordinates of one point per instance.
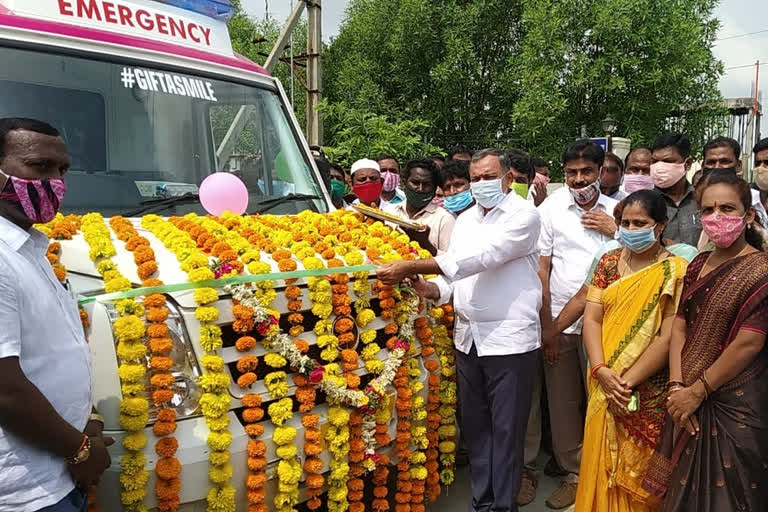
(707, 387)
(675, 383)
(73, 458)
(706, 391)
(597, 368)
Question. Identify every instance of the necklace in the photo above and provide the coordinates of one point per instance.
(708, 266)
(628, 262)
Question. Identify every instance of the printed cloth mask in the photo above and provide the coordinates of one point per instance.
(488, 193)
(665, 175)
(367, 192)
(458, 202)
(585, 194)
(635, 182)
(337, 189)
(389, 181)
(520, 189)
(761, 177)
(40, 199)
(540, 178)
(723, 230)
(418, 200)
(637, 240)
(439, 201)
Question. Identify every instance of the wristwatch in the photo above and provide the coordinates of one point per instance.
(82, 453)
(96, 417)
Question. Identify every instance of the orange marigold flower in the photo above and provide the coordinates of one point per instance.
(300, 380)
(341, 278)
(246, 380)
(313, 465)
(343, 325)
(143, 255)
(228, 256)
(353, 381)
(347, 338)
(254, 430)
(156, 300)
(243, 326)
(60, 271)
(160, 346)
(387, 303)
(293, 292)
(163, 363)
(256, 463)
(328, 254)
(52, 258)
(349, 356)
(157, 315)
(164, 428)
(355, 504)
(256, 480)
(294, 305)
(356, 445)
(146, 269)
(245, 343)
(313, 434)
(427, 351)
(281, 254)
(84, 318)
(295, 318)
(312, 448)
(219, 248)
(301, 345)
(251, 400)
(335, 263)
(315, 481)
(310, 420)
(152, 282)
(256, 495)
(256, 448)
(166, 446)
(161, 396)
(242, 312)
(162, 380)
(253, 414)
(421, 322)
(431, 365)
(168, 489)
(166, 414)
(247, 364)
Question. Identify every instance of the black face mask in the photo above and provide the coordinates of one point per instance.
(418, 200)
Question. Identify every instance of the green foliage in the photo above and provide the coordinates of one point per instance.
(527, 73)
(361, 134)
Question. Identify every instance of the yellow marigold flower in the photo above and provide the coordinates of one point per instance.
(219, 440)
(215, 405)
(210, 337)
(354, 258)
(287, 452)
(206, 295)
(218, 458)
(221, 499)
(275, 360)
(213, 363)
(283, 435)
(374, 366)
(289, 471)
(418, 458)
(447, 447)
(312, 263)
(327, 340)
(365, 317)
(131, 350)
(207, 314)
(322, 310)
(134, 482)
(217, 423)
(250, 256)
(214, 382)
(132, 463)
(119, 284)
(134, 423)
(132, 389)
(368, 336)
(220, 474)
(259, 267)
(446, 431)
(276, 384)
(436, 313)
(370, 351)
(134, 406)
(135, 442)
(419, 473)
(133, 497)
(338, 416)
(106, 266)
(329, 354)
(201, 274)
(281, 411)
(131, 372)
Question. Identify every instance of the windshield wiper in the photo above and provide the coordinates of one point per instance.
(158, 204)
(265, 206)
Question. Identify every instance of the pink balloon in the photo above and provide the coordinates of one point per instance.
(222, 191)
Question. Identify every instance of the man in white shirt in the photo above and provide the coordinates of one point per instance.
(421, 180)
(51, 450)
(575, 221)
(491, 271)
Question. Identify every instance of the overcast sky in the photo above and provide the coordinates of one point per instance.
(738, 17)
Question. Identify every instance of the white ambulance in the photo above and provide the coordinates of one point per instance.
(151, 98)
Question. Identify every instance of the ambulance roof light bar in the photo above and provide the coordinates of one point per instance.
(221, 10)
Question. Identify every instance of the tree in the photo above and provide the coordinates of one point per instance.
(528, 73)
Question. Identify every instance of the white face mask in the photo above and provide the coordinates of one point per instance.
(488, 193)
(760, 175)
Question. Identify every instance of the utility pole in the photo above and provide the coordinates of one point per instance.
(314, 71)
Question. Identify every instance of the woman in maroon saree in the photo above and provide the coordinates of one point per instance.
(713, 452)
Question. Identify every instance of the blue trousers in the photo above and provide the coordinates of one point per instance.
(495, 399)
(75, 501)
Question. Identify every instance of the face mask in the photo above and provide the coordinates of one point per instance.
(637, 240)
(439, 201)
(761, 177)
(367, 192)
(635, 182)
(487, 192)
(666, 175)
(40, 199)
(540, 178)
(586, 194)
(520, 189)
(337, 189)
(418, 200)
(458, 202)
(723, 230)
(389, 181)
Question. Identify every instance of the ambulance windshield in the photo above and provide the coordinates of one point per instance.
(137, 134)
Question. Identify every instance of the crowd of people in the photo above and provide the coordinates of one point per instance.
(633, 297)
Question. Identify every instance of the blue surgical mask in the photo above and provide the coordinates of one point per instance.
(458, 202)
(637, 240)
(487, 192)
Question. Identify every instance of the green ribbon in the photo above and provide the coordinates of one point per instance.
(224, 281)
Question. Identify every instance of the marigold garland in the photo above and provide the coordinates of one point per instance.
(337, 440)
(288, 469)
(313, 465)
(257, 462)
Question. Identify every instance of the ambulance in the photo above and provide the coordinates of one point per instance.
(151, 98)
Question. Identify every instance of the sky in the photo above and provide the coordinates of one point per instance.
(738, 17)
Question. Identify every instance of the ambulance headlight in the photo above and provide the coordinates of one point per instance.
(219, 9)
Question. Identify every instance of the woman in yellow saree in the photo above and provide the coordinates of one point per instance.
(631, 303)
